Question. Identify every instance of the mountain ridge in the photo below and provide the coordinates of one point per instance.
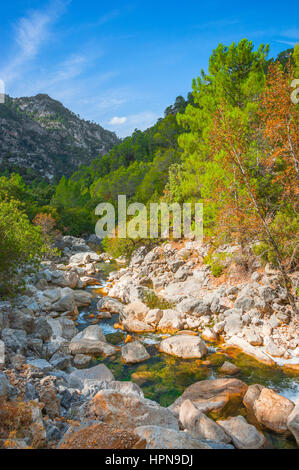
(41, 134)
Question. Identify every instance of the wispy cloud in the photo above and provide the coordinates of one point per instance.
(30, 33)
(292, 33)
(288, 43)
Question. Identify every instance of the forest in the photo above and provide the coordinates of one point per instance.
(232, 144)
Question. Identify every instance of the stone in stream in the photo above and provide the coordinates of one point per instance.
(229, 368)
(184, 346)
(133, 325)
(272, 410)
(212, 395)
(81, 360)
(157, 437)
(91, 341)
(199, 424)
(252, 394)
(209, 335)
(134, 352)
(242, 434)
(110, 305)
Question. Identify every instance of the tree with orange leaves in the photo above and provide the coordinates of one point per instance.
(248, 146)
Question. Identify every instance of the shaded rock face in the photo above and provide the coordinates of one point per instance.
(199, 424)
(242, 434)
(128, 410)
(272, 410)
(162, 438)
(212, 395)
(184, 345)
(134, 352)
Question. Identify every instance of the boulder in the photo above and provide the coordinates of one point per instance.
(41, 364)
(157, 437)
(197, 307)
(252, 394)
(66, 303)
(233, 324)
(212, 395)
(91, 341)
(80, 259)
(253, 351)
(229, 368)
(65, 279)
(209, 335)
(199, 424)
(82, 298)
(110, 305)
(21, 321)
(242, 434)
(153, 316)
(95, 435)
(52, 294)
(184, 345)
(129, 410)
(293, 422)
(134, 352)
(272, 410)
(133, 325)
(137, 309)
(81, 360)
(272, 349)
(42, 329)
(171, 321)
(100, 373)
(14, 340)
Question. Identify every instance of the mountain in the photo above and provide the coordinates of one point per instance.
(38, 134)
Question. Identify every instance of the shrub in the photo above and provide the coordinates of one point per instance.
(153, 301)
(21, 245)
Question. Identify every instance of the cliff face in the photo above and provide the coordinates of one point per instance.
(39, 133)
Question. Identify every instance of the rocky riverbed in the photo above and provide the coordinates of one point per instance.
(203, 362)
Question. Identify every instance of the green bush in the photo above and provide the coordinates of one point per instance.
(21, 244)
(153, 301)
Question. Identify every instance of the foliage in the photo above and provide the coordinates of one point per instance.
(21, 245)
(153, 301)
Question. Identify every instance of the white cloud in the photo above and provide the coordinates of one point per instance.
(116, 121)
(125, 126)
(30, 33)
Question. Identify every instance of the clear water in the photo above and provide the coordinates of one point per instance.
(163, 378)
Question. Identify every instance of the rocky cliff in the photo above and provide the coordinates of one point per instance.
(39, 133)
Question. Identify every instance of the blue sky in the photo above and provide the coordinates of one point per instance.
(122, 63)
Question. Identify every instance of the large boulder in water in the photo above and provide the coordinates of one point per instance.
(243, 435)
(212, 395)
(272, 410)
(134, 352)
(184, 345)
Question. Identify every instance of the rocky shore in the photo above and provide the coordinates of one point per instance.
(44, 358)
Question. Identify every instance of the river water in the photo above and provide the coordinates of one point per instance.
(163, 378)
